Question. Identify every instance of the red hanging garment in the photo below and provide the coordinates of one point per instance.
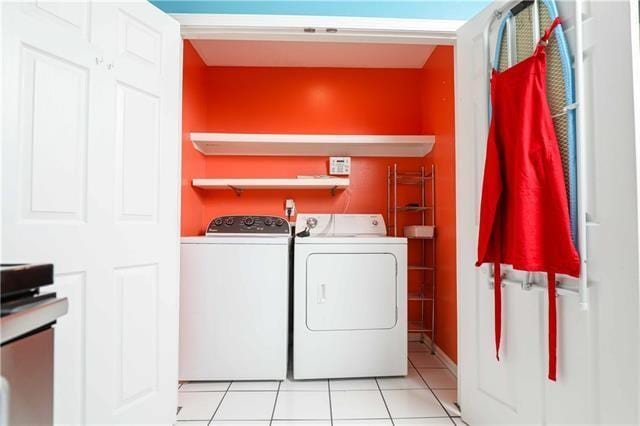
(524, 216)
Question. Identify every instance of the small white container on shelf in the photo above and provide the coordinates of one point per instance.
(419, 231)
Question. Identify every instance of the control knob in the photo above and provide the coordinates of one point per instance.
(217, 221)
(279, 222)
(268, 221)
(228, 221)
(248, 221)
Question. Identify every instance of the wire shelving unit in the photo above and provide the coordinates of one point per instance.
(425, 295)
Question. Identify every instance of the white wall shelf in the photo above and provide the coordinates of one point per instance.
(313, 145)
(238, 185)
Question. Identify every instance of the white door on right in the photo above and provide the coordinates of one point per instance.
(598, 357)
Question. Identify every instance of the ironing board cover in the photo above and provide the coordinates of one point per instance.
(517, 39)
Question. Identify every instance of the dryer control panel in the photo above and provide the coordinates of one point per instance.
(248, 225)
(341, 225)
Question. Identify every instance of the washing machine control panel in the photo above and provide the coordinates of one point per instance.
(248, 225)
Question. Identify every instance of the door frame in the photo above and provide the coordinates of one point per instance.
(244, 27)
(292, 28)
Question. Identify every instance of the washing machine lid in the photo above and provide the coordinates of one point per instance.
(237, 239)
(355, 239)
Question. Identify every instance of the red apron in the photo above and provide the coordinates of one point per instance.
(524, 214)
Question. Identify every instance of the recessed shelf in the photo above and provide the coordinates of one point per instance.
(263, 144)
(417, 327)
(421, 268)
(412, 178)
(420, 297)
(238, 185)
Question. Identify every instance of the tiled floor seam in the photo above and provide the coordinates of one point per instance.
(273, 412)
(330, 406)
(385, 402)
(219, 404)
(433, 393)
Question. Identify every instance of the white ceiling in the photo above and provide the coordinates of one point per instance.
(245, 53)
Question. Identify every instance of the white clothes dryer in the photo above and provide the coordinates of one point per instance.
(350, 298)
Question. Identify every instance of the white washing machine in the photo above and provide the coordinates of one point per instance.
(350, 298)
(234, 291)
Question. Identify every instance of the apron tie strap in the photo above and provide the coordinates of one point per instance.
(553, 327)
(544, 40)
(553, 330)
(497, 303)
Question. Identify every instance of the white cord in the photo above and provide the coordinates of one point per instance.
(348, 193)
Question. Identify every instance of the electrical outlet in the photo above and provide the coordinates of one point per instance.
(289, 207)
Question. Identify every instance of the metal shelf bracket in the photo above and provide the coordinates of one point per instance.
(237, 190)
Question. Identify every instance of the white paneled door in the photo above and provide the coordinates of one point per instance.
(597, 348)
(90, 167)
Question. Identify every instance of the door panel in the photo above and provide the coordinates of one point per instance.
(136, 340)
(49, 141)
(69, 344)
(82, 189)
(54, 147)
(336, 287)
(71, 17)
(496, 379)
(596, 383)
(489, 391)
(139, 45)
(137, 142)
(140, 109)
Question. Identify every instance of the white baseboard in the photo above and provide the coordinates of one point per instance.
(448, 362)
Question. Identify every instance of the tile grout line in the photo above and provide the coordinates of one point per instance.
(220, 403)
(384, 401)
(432, 392)
(330, 406)
(273, 412)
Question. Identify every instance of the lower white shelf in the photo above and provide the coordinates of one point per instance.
(267, 183)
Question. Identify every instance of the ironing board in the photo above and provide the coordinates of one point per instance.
(516, 42)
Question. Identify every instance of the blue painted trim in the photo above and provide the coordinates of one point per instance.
(416, 9)
(503, 25)
(496, 56)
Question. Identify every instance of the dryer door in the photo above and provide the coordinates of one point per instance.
(351, 291)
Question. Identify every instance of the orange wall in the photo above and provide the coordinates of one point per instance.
(438, 109)
(314, 100)
(325, 100)
(308, 100)
(194, 109)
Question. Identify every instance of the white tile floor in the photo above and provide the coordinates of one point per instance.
(426, 396)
